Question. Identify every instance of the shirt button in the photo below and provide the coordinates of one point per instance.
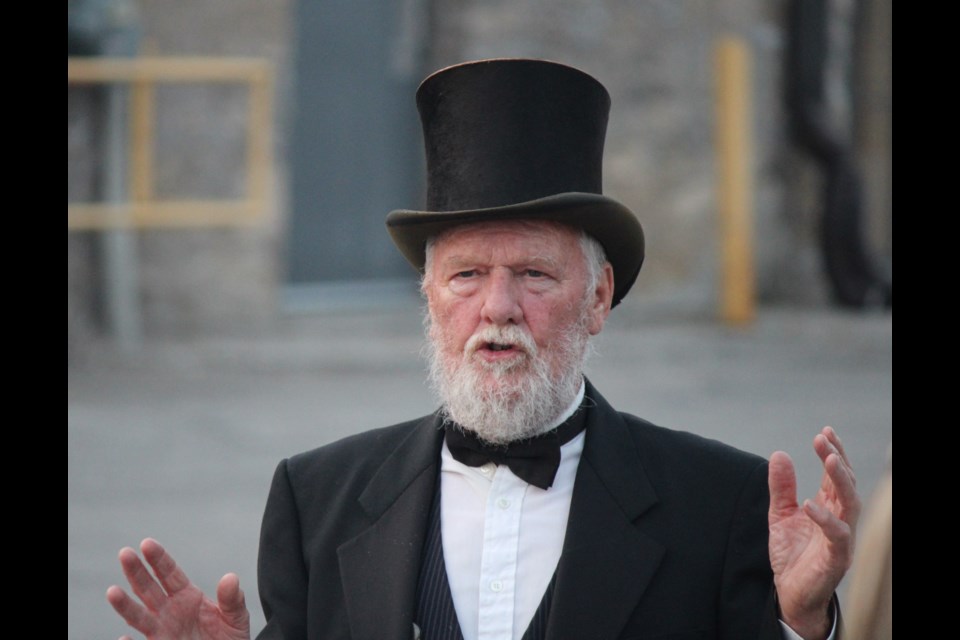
(496, 585)
(503, 503)
(488, 469)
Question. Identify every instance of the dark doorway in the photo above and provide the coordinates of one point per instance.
(355, 148)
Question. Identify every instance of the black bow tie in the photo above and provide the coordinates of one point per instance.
(534, 461)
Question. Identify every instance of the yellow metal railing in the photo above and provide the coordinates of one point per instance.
(143, 208)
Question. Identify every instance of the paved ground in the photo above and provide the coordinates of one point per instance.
(178, 441)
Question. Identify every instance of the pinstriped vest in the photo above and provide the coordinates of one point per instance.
(436, 617)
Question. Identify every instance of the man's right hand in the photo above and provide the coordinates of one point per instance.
(173, 608)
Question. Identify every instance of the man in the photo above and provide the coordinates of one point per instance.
(526, 506)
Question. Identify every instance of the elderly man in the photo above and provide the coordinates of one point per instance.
(525, 506)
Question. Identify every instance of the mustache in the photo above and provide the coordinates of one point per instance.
(506, 335)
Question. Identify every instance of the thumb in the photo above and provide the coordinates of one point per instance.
(782, 480)
(232, 604)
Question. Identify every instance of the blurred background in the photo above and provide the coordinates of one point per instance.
(233, 297)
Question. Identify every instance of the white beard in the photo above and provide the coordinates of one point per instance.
(507, 401)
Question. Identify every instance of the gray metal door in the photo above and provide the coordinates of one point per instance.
(355, 144)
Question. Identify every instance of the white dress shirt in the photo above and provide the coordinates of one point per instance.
(502, 539)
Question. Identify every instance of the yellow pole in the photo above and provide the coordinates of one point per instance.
(734, 181)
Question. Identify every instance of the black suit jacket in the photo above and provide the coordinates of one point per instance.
(667, 537)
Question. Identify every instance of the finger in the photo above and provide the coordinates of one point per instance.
(838, 532)
(140, 579)
(834, 438)
(825, 447)
(844, 488)
(134, 614)
(232, 602)
(170, 575)
(833, 527)
(782, 480)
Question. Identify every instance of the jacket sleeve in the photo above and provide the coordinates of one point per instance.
(281, 571)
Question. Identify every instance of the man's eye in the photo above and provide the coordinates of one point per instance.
(533, 273)
(466, 274)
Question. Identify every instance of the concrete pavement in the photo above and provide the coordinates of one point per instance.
(179, 440)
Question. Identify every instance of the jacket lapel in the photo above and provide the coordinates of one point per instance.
(606, 563)
(380, 567)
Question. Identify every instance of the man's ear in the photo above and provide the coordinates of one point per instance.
(602, 300)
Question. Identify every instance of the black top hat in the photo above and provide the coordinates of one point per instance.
(511, 139)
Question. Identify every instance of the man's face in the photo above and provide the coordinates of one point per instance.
(511, 310)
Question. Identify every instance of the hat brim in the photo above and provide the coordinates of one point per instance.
(614, 226)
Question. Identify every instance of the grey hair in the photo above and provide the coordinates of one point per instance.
(593, 253)
(596, 257)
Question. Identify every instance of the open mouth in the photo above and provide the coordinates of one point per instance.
(504, 344)
(501, 352)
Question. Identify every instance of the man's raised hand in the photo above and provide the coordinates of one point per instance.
(173, 608)
(811, 545)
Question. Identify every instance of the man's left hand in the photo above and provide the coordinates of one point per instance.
(811, 546)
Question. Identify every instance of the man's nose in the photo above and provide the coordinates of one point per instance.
(501, 304)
